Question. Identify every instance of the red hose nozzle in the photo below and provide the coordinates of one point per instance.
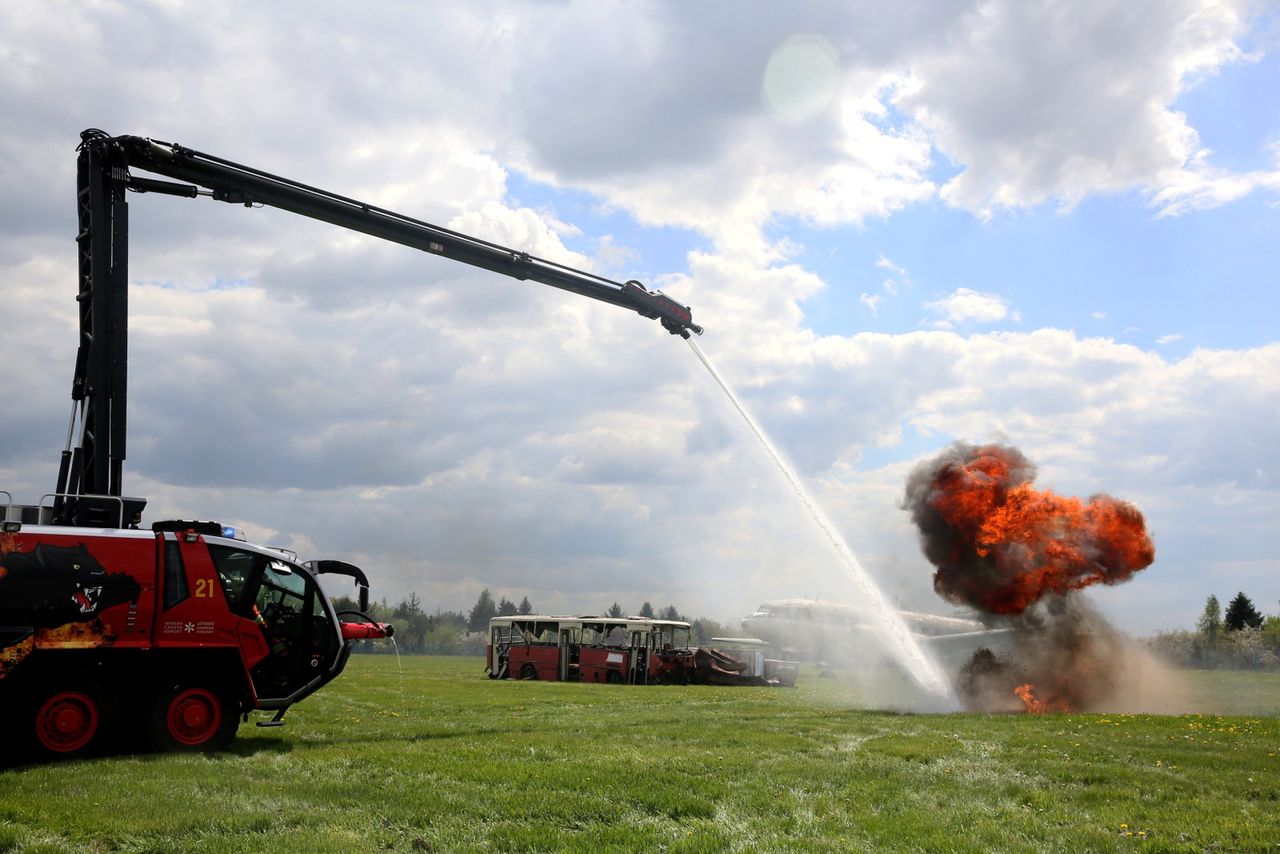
(367, 631)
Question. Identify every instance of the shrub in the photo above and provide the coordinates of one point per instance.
(1246, 649)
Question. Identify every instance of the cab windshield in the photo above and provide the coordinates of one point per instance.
(282, 595)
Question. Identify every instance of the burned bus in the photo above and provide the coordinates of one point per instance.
(619, 650)
(616, 650)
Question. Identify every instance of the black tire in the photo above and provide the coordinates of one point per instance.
(614, 678)
(528, 671)
(191, 717)
(68, 716)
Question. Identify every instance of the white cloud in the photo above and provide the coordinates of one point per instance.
(1043, 102)
(899, 279)
(1200, 186)
(885, 264)
(965, 305)
(613, 257)
(871, 301)
(1168, 339)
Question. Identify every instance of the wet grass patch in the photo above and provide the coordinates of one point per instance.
(456, 762)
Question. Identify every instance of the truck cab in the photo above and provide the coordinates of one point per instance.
(180, 631)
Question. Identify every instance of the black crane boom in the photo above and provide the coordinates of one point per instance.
(92, 465)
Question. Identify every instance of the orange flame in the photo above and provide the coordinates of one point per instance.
(1034, 706)
(1010, 544)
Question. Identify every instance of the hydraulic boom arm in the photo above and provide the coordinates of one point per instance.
(225, 181)
(93, 465)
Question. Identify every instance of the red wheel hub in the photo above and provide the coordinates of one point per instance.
(67, 722)
(194, 716)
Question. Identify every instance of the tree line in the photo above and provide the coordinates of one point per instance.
(1242, 638)
(456, 633)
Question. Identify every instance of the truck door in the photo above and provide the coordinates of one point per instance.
(298, 629)
(285, 602)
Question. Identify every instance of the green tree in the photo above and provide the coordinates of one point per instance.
(704, 629)
(1271, 634)
(670, 613)
(1241, 613)
(483, 611)
(525, 606)
(506, 608)
(646, 610)
(346, 603)
(411, 624)
(615, 610)
(1210, 622)
(408, 607)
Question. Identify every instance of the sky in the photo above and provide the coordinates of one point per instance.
(1049, 224)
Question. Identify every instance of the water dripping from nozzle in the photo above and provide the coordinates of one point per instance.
(902, 644)
(400, 669)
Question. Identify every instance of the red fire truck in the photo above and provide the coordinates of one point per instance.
(183, 628)
(176, 632)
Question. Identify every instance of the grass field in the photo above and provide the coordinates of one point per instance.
(435, 757)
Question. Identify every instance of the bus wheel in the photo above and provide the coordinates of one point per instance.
(69, 717)
(191, 718)
(528, 672)
(614, 678)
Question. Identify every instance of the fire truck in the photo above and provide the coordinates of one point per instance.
(615, 650)
(181, 629)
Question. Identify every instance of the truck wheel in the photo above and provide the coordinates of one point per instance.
(529, 671)
(69, 717)
(192, 718)
(614, 678)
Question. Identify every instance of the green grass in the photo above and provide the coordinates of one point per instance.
(441, 759)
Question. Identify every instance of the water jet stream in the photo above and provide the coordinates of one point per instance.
(902, 643)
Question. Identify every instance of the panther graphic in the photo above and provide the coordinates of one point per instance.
(51, 586)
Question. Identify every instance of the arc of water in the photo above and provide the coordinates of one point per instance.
(903, 644)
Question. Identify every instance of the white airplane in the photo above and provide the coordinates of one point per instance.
(834, 633)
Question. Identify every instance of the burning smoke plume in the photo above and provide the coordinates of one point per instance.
(1066, 658)
(1001, 545)
(1017, 555)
